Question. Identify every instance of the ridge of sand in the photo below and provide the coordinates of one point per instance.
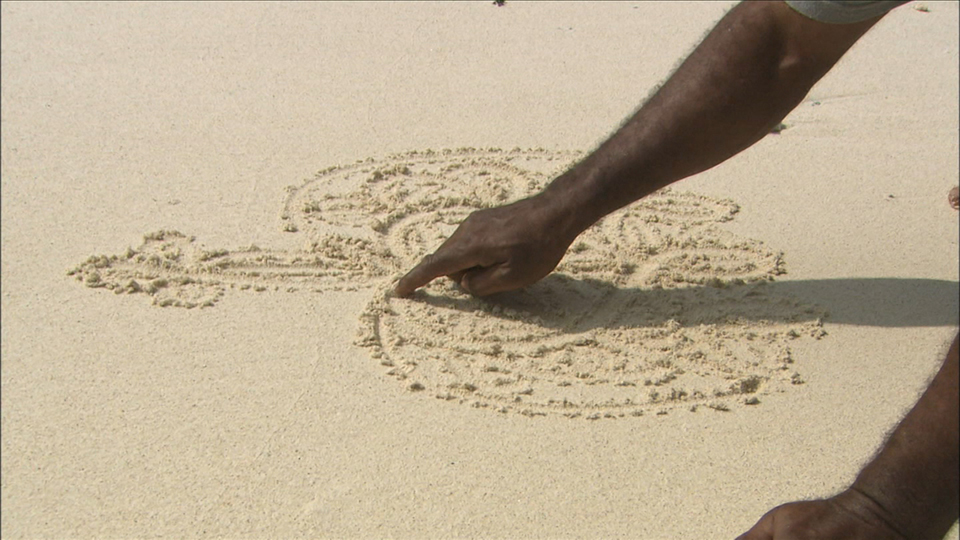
(655, 308)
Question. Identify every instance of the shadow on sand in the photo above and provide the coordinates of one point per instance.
(559, 301)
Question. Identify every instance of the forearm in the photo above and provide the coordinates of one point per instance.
(914, 479)
(751, 70)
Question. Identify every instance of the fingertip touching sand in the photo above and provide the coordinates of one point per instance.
(655, 308)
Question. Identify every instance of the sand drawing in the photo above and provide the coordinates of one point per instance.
(176, 271)
(655, 308)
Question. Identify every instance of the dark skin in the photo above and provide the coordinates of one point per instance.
(909, 490)
(754, 67)
(751, 70)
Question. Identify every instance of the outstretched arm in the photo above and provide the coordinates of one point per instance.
(752, 69)
(911, 489)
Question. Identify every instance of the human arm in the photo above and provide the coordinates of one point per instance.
(751, 70)
(910, 490)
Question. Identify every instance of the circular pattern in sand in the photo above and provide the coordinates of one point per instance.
(656, 307)
(409, 203)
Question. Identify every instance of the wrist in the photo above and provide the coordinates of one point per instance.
(869, 509)
(573, 202)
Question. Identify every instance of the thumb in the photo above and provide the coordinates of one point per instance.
(443, 262)
(489, 280)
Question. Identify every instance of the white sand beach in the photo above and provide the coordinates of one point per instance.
(205, 206)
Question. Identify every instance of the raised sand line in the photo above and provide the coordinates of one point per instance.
(655, 308)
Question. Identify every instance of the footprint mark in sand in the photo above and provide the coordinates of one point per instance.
(655, 308)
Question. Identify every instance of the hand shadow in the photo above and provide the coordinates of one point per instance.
(576, 305)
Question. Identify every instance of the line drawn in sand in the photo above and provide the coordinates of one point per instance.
(654, 308)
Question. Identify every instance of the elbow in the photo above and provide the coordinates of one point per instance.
(797, 73)
(809, 49)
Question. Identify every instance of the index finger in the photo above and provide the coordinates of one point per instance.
(440, 263)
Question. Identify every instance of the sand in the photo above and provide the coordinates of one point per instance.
(205, 209)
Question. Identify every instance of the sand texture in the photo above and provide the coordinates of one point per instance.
(654, 308)
(205, 208)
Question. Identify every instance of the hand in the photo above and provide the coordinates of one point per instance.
(497, 249)
(848, 516)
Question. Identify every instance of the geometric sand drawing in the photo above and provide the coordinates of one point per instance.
(655, 308)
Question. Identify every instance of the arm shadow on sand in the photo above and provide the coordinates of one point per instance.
(884, 302)
(577, 305)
